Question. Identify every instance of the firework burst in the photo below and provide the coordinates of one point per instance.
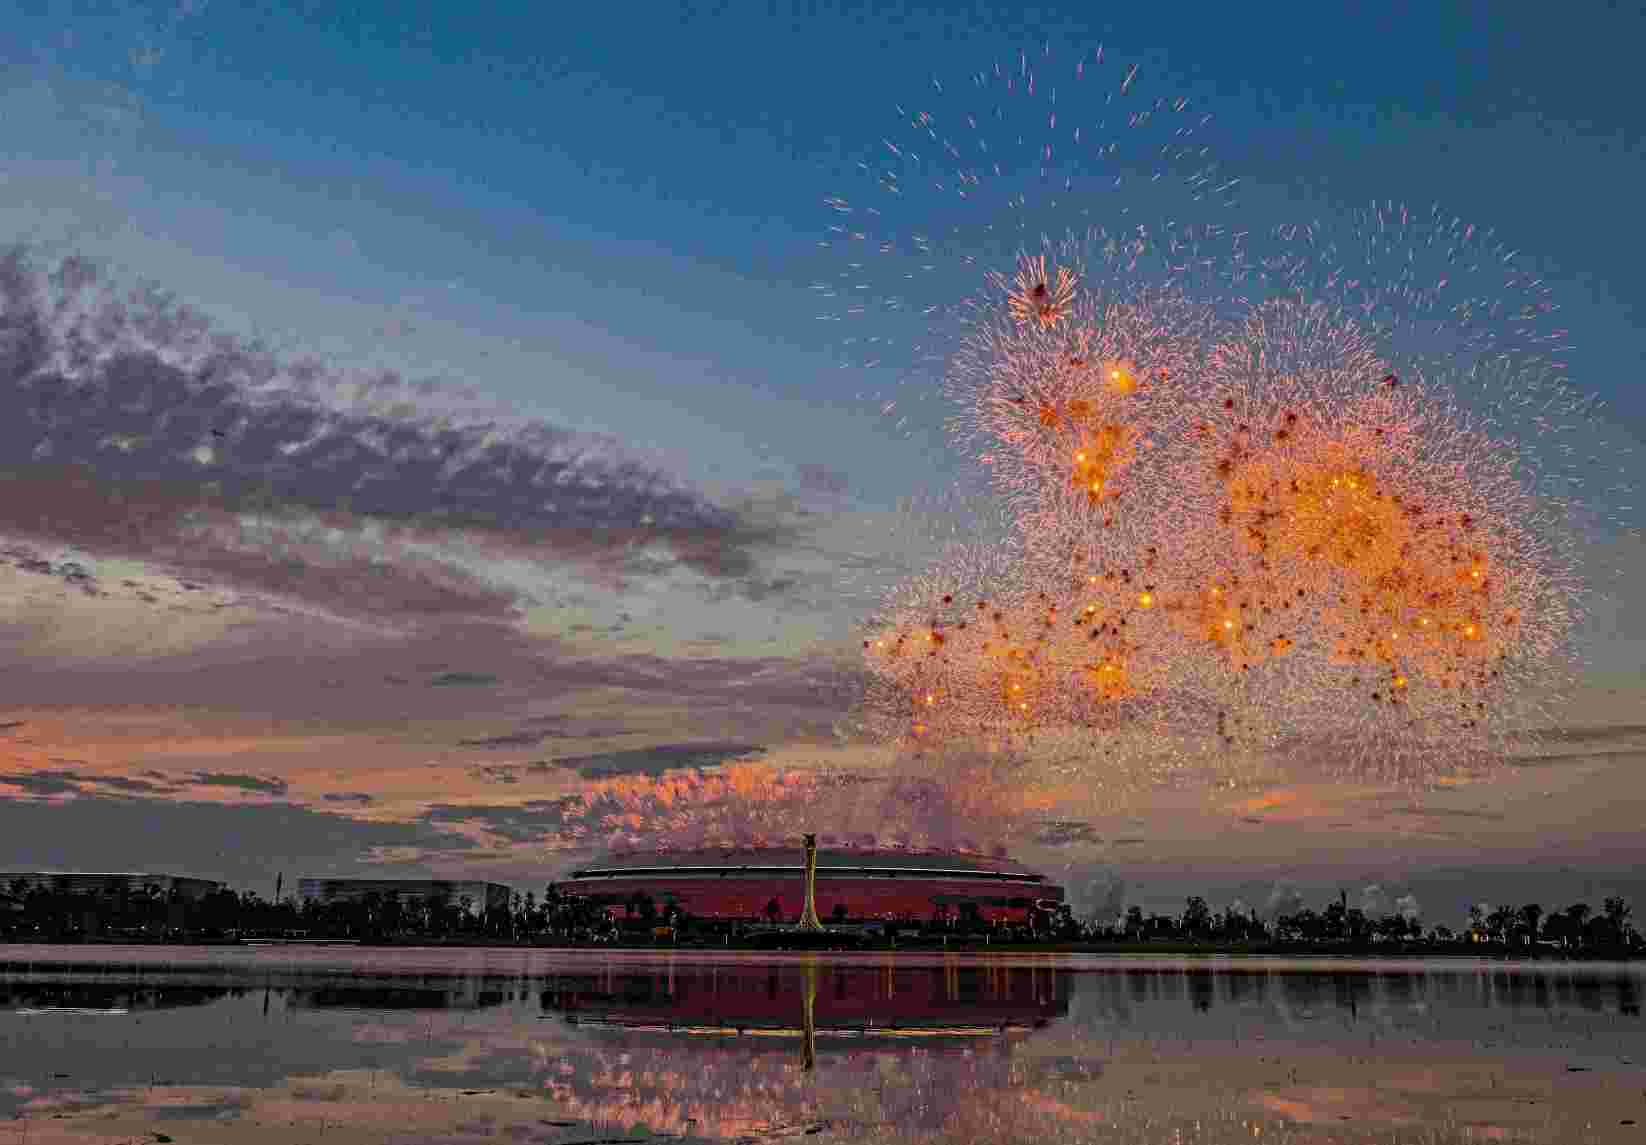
(1248, 536)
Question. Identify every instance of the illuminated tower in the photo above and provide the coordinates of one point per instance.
(808, 916)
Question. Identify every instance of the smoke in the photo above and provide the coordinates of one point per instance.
(969, 801)
(1406, 906)
(1284, 898)
(1097, 896)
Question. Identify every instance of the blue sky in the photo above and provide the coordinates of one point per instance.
(606, 220)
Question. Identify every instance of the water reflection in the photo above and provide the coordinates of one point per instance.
(385, 1047)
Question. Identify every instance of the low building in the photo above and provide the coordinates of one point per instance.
(107, 884)
(860, 885)
(482, 896)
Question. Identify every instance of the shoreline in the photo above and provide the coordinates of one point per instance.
(1163, 950)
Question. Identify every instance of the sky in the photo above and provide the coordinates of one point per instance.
(477, 441)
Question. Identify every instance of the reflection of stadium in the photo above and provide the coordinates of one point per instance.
(878, 885)
(886, 1000)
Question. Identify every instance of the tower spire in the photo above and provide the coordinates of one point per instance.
(808, 916)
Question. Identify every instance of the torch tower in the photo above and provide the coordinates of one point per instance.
(808, 916)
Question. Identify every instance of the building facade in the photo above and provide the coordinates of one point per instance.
(482, 896)
(859, 885)
(108, 884)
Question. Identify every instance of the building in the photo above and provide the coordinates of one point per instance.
(482, 896)
(108, 884)
(860, 885)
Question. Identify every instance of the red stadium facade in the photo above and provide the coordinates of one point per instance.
(769, 885)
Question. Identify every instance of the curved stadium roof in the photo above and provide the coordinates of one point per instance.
(782, 860)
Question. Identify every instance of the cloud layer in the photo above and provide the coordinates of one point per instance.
(132, 426)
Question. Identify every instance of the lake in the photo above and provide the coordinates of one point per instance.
(345, 1046)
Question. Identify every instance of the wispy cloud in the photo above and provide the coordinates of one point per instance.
(651, 761)
(252, 783)
(136, 427)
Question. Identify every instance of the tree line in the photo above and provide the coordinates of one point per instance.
(44, 913)
(1576, 928)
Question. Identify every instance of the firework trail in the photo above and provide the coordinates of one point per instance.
(972, 169)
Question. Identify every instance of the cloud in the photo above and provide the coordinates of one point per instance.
(49, 782)
(133, 426)
(243, 782)
(71, 573)
(816, 478)
(530, 822)
(245, 843)
(1064, 832)
(45, 782)
(651, 761)
(508, 739)
(463, 679)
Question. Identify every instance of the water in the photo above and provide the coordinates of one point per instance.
(347, 1046)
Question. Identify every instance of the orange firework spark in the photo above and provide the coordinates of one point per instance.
(1039, 296)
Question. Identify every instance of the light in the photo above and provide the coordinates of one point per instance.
(1228, 624)
(1145, 600)
(1081, 458)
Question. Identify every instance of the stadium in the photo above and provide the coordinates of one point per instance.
(852, 885)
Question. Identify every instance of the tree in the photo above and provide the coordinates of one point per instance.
(1335, 921)
(1197, 917)
(1134, 923)
(839, 912)
(1617, 914)
(1530, 915)
(1391, 928)
(774, 910)
(1577, 917)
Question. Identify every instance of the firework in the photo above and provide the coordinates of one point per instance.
(1247, 535)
